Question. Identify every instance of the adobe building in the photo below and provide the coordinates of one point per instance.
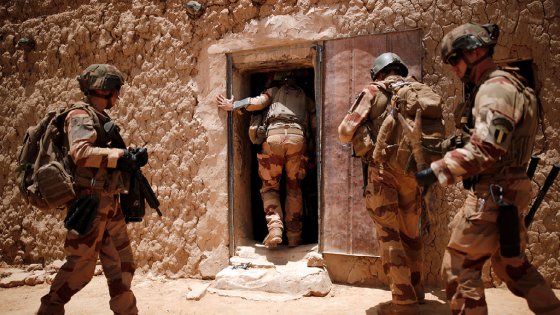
(177, 56)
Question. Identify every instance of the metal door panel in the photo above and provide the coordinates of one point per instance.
(346, 226)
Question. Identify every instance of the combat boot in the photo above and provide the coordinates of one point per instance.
(273, 238)
(420, 295)
(389, 308)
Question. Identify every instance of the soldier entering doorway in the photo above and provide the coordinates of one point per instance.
(286, 132)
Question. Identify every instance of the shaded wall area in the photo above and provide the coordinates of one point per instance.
(175, 67)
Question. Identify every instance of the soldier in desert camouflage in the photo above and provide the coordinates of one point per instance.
(498, 124)
(392, 197)
(291, 128)
(96, 174)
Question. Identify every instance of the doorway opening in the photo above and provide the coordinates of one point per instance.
(250, 74)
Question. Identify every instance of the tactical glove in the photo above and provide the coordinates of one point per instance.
(426, 178)
(141, 156)
(132, 160)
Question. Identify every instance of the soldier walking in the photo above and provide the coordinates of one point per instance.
(393, 200)
(498, 123)
(96, 175)
(290, 128)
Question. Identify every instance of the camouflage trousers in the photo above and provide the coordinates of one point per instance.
(108, 240)
(476, 238)
(283, 152)
(394, 203)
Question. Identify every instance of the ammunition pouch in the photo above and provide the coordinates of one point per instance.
(510, 242)
(257, 127)
(508, 221)
(81, 216)
(364, 141)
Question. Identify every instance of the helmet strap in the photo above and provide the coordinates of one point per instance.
(470, 66)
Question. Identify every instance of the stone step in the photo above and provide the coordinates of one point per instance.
(281, 273)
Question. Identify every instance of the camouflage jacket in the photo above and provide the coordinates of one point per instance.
(270, 96)
(505, 117)
(88, 146)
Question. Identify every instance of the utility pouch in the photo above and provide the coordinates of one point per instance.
(508, 220)
(81, 216)
(257, 127)
(363, 141)
(133, 204)
(509, 231)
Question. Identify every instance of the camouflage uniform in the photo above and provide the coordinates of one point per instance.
(290, 118)
(502, 116)
(475, 236)
(107, 239)
(393, 202)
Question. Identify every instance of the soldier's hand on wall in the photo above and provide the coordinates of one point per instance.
(426, 178)
(224, 103)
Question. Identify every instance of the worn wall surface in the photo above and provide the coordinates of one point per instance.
(175, 66)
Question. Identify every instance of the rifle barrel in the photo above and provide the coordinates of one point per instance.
(547, 184)
(533, 166)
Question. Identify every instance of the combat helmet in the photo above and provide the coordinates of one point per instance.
(469, 36)
(388, 61)
(100, 77)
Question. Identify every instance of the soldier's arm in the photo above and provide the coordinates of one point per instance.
(357, 113)
(260, 102)
(82, 136)
(249, 103)
(496, 118)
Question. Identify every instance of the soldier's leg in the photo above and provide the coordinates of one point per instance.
(296, 167)
(472, 242)
(524, 280)
(270, 171)
(409, 215)
(80, 264)
(117, 261)
(382, 206)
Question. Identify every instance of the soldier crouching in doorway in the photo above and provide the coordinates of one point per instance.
(290, 129)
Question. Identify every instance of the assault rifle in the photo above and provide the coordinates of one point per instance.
(132, 204)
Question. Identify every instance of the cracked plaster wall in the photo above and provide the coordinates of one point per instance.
(175, 67)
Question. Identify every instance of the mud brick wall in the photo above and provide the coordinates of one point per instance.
(175, 67)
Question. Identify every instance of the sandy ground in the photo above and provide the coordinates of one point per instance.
(169, 297)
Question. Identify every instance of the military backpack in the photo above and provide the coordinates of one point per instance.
(383, 139)
(44, 169)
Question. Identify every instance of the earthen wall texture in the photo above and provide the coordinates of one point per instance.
(175, 67)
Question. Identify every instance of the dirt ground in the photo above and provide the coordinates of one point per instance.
(160, 296)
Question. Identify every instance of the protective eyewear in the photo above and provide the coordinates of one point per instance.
(453, 60)
(112, 83)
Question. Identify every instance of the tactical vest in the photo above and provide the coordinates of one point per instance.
(288, 105)
(523, 138)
